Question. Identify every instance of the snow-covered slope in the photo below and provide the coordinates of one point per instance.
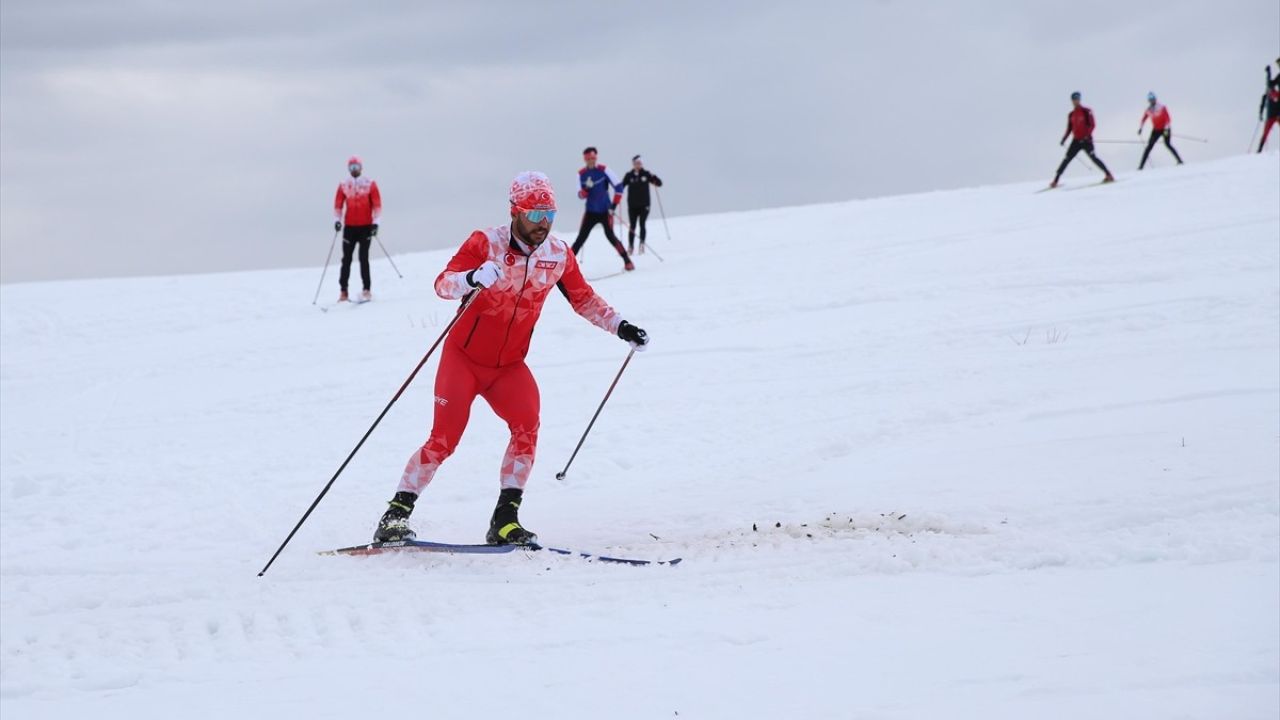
(971, 454)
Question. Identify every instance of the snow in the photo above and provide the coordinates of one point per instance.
(1007, 455)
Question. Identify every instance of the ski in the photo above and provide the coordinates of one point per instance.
(606, 277)
(456, 549)
(1091, 185)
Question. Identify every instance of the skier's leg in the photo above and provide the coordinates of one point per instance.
(514, 398)
(632, 214)
(1266, 129)
(1071, 153)
(1168, 134)
(588, 222)
(613, 240)
(1151, 142)
(348, 247)
(644, 218)
(365, 242)
(1088, 148)
(456, 388)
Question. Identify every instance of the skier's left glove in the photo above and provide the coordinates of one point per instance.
(374, 231)
(638, 338)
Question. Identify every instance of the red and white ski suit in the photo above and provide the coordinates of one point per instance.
(484, 353)
(1159, 115)
(362, 200)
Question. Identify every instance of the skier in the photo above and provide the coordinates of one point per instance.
(1160, 128)
(363, 205)
(1270, 103)
(595, 183)
(1080, 124)
(636, 182)
(513, 268)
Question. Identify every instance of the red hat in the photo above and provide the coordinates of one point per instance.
(531, 190)
(355, 160)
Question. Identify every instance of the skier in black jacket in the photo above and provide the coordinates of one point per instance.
(636, 182)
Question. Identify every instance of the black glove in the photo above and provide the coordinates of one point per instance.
(634, 335)
(337, 225)
(374, 232)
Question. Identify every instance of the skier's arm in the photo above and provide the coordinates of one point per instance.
(337, 204)
(452, 282)
(617, 187)
(375, 198)
(654, 179)
(584, 300)
(1145, 114)
(1068, 131)
(1089, 123)
(1262, 105)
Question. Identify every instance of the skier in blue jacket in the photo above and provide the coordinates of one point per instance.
(602, 193)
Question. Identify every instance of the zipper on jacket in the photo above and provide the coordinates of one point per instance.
(507, 337)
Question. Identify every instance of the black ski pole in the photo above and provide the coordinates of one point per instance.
(560, 475)
(1253, 137)
(658, 193)
(326, 266)
(384, 252)
(465, 304)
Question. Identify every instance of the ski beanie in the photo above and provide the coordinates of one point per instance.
(531, 190)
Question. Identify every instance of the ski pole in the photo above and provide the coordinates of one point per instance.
(560, 475)
(384, 252)
(1192, 139)
(649, 248)
(658, 193)
(330, 257)
(465, 304)
(1254, 136)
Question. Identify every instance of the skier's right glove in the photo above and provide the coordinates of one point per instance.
(337, 225)
(582, 194)
(638, 338)
(485, 275)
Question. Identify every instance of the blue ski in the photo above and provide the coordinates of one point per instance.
(452, 549)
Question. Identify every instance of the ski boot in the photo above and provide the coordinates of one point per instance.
(394, 524)
(366, 296)
(505, 528)
(1109, 178)
(629, 266)
(641, 248)
(342, 296)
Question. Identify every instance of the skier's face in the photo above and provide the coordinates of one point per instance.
(637, 165)
(589, 159)
(354, 169)
(533, 232)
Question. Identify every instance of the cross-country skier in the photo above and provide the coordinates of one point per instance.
(636, 182)
(1270, 103)
(1080, 124)
(602, 193)
(513, 268)
(1160, 128)
(363, 207)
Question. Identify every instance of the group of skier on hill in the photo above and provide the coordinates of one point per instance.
(1081, 124)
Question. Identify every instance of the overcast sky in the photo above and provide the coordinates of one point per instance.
(150, 137)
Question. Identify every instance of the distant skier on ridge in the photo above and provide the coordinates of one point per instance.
(1270, 103)
(602, 193)
(1161, 127)
(513, 268)
(363, 206)
(1080, 124)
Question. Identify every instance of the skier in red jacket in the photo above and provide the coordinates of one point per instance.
(1160, 128)
(1270, 104)
(1080, 124)
(363, 206)
(513, 268)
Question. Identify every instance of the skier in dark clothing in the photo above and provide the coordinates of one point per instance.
(1080, 124)
(602, 193)
(1270, 103)
(1160, 128)
(636, 182)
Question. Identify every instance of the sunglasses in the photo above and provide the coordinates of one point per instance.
(354, 166)
(537, 216)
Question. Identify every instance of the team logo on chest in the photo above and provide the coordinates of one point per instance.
(546, 264)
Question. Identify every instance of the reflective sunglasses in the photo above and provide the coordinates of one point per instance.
(354, 166)
(537, 216)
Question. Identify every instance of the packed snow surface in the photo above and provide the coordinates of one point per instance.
(975, 454)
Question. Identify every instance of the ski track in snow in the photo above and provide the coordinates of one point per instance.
(983, 453)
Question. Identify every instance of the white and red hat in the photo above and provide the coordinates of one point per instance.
(531, 190)
(354, 160)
